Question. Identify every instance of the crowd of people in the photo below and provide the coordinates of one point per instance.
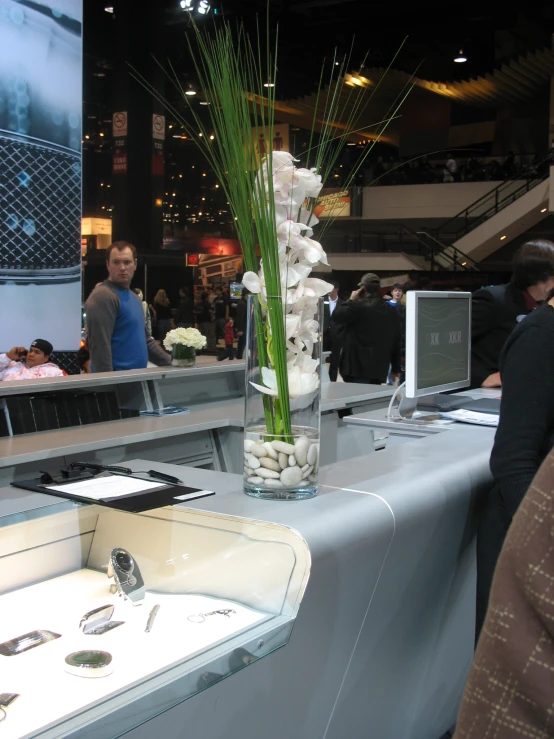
(452, 168)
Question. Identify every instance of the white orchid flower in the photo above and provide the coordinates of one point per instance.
(252, 282)
(308, 218)
(292, 324)
(319, 287)
(300, 383)
(311, 182)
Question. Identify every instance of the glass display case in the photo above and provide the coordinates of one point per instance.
(109, 618)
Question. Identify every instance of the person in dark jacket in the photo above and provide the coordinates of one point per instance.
(497, 310)
(370, 335)
(330, 304)
(524, 437)
(241, 319)
(184, 317)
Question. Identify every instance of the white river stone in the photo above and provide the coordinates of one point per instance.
(282, 446)
(270, 450)
(301, 447)
(270, 464)
(256, 480)
(312, 454)
(291, 476)
(248, 444)
(268, 474)
(308, 471)
(283, 461)
(312, 478)
(248, 470)
(304, 469)
(273, 483)
(252, 461)
(258, 450)
(292, 461)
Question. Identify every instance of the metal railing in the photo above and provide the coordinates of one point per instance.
(495, 200)
(440, 255)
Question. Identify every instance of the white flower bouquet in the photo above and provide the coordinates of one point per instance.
(184, 337)
(183, 344)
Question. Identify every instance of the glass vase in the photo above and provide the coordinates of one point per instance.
(183, 356)
(281, 448)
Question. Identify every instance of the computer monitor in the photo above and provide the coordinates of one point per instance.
(438, 342)
(235, 290)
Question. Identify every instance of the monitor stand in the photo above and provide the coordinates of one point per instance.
(402, 409)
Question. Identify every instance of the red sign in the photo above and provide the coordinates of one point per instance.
(192, 260)
(119, 163)
(158, 163)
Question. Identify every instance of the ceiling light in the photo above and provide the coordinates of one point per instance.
(461, 58)
(464, 264)
(269, 84)
(204, 102)
(190, 92)
(544, 210)
(503, 237)
(109, 8)
(212, 137)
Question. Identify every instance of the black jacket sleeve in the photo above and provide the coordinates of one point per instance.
(526, 413)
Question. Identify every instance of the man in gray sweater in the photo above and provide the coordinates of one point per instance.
(117, 336)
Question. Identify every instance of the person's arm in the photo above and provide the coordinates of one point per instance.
(483, 312)
(102, 308)
(156, 354)
(147, 318)
(526, 413)
(346, 313)
(483, 317)
(7, 359)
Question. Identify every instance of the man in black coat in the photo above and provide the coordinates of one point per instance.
(370, 335)
(496, 311)
(330, 304)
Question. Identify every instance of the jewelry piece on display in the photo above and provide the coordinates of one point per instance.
(89, 663)
(98, 621)
(127, 576)
(27, 641)
(152, 618)
(6, 699)
(199, 618)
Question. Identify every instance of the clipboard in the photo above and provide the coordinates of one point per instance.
(158, 496)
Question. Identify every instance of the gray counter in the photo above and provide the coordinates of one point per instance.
(384, 636)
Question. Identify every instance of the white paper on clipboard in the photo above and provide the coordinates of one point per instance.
(114, 486)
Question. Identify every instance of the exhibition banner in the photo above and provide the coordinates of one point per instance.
(333, 203)
(40, 171)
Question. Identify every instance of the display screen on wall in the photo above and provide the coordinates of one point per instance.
(40, 170)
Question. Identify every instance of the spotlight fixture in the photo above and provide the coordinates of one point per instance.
(461, 58)
(109, 8)
(191, 91)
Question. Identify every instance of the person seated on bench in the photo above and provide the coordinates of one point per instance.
(20, 364)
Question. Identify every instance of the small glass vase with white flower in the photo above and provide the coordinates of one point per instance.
(183, 343)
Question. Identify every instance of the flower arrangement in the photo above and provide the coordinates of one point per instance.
(272, 202)
(298, 253)
(185, 337)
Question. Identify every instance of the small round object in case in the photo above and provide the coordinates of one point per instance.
(89, 663)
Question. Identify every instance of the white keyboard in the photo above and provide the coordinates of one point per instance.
(480, 419)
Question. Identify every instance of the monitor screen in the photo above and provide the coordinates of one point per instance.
(235, 290)
(438, 342)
